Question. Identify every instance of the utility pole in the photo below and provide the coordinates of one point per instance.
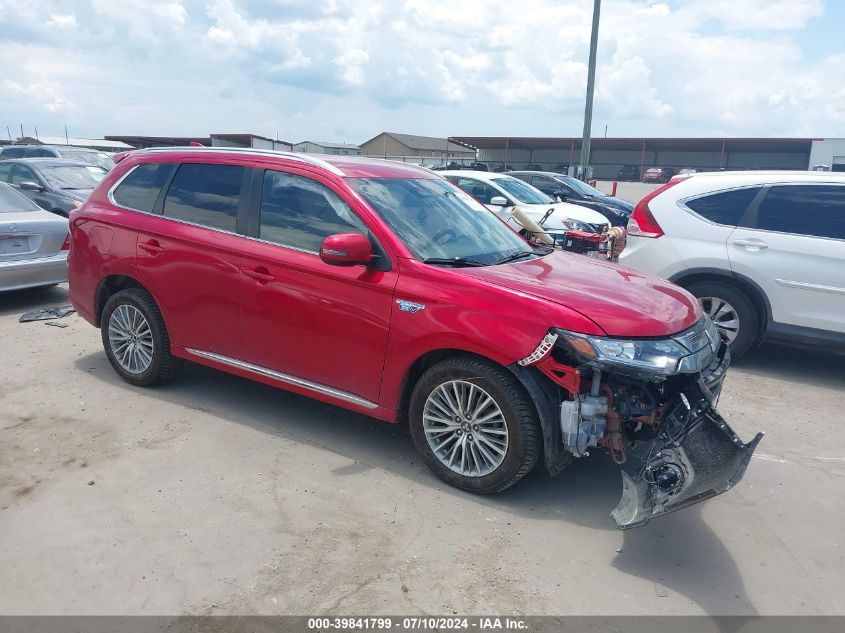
(591, 84)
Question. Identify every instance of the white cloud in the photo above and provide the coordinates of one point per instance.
(687, 67)
(44, 94)
(64, 22)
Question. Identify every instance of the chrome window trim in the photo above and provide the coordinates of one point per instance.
(117, 183)
(302, 158)
(286, 378)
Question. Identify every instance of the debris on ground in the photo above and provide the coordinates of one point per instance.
(45, 314)
(56, 324)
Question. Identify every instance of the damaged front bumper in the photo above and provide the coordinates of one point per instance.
(695, 455)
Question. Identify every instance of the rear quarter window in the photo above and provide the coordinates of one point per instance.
(725, 208)
(140, 188)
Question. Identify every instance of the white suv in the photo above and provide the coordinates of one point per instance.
(763, 251)
(502, 194)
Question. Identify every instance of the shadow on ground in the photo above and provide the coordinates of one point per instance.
(20, 301)
(804, 365)
(678, 552)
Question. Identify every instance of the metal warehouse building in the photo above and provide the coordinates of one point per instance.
(609, 154)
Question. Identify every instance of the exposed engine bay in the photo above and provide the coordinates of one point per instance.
(651, 406)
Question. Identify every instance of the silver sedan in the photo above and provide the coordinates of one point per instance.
(33, 243)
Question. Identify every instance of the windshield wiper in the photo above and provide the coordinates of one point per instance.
(514, 256)
(453, 261)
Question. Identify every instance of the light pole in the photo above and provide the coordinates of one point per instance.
(591, 84)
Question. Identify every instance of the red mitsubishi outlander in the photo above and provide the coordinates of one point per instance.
(382, 288)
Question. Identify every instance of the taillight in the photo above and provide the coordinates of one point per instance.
(66, 243)
(642, 222)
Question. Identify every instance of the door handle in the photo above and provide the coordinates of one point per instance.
(260, 274)
(752, 244)
(152, 247)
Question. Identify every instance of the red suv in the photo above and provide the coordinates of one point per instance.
(382, 288)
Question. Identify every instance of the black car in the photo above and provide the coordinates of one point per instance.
(79, 154)
(54, 184)
(572, 190)
(628, 172)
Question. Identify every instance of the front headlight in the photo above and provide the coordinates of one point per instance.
(686, 353)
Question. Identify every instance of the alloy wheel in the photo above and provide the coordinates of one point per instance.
(131, 338)
(724, 317)
(465, 428)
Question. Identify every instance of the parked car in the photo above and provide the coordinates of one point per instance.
(658, 174)
(687, 171)
(568, 189)
(561, 168)
(477, 166)
(79, 154)
(628, 173)
(533, 167)
(763, 251)
(384, 289)
(33, 243)
(503, 193)
(54, 184)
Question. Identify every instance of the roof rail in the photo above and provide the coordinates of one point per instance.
(303, 158)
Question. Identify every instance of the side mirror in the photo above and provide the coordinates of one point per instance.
(499, 201)
(30, 185)
(346, 249)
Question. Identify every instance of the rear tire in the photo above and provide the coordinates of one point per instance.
(483, 446)
(735, 306)
(136, 340)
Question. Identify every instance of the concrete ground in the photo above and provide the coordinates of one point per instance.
(215, 495)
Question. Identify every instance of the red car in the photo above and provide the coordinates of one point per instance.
(382, 288)
(658, 174)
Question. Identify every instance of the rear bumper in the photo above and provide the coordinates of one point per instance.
(31, 273)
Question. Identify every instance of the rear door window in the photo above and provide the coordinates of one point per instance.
(140, 188)
(300, 213)
(726, 207)
(5, 171)
(815, 210)
(205, 194)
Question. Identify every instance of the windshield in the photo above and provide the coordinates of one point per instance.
(13, 202)
(101, 159)
(435, 219)
(522, 191)
(583, 188)
(72, 176)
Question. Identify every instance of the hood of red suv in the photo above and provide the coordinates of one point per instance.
(621, 301)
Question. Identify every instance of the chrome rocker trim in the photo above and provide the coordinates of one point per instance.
(285, 378)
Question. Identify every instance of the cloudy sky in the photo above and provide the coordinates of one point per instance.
(344, 70)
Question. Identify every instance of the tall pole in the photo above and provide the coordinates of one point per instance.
(591, 84)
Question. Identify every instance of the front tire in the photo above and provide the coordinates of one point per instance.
(136, 340)
(732, 311)
(474, 425)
